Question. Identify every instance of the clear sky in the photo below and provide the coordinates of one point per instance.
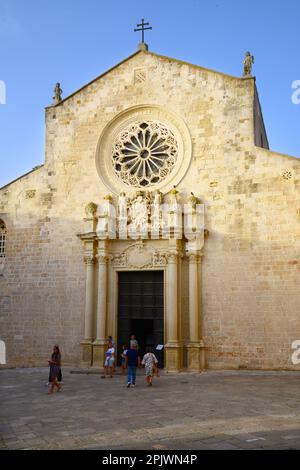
(73, 41)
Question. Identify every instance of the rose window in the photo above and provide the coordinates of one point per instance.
(144, 154)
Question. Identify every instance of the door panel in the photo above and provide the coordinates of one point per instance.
(141, 310)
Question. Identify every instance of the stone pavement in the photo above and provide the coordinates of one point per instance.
(213, 410)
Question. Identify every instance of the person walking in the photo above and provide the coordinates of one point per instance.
(55, 371)
(132, 363)
(59, 377)
(110, 340)
(123, 359)
(150, 363)
(133, 343)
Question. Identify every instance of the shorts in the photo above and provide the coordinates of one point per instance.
(109, 362)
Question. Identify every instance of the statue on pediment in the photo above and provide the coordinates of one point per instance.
(122, 206)
(193, 201)
(58, 92)
(139, 212)
(90, 209)
(156, 213)
(248, 62)
(174, 206)
(106, 218)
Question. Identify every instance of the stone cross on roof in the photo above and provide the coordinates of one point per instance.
(141, 27)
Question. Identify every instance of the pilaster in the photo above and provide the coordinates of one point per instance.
(173, 348)
(195, 346)
(100, 343)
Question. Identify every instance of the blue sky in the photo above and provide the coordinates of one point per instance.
(73, 41)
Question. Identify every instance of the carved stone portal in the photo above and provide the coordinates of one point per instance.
(105, 256)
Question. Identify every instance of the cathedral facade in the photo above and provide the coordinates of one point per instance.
(161, 212)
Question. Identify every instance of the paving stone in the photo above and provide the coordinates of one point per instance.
(101, 414)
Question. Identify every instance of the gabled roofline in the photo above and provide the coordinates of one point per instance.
(199, 67)
(280, 154)
(92, 81)
(256, 96)
(182, 62)
(22, 176)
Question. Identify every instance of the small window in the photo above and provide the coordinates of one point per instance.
(2, 238)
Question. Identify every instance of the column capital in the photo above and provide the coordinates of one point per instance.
(172, 258)
(89, 259)
(194, 256)
(103, 258)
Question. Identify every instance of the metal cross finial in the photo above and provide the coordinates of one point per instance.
(141, 27)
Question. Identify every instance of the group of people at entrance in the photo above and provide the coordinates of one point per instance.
(130, 360)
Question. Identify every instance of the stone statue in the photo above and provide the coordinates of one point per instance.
(174, 191)
(157, 197)
(58, 92)
(248, 62)
(156, 211)
(91, 209)
(174, 200)
(193, 200)
(139, 213)
(107, 206)
(106, 218)
(122, 206)
(174, 214)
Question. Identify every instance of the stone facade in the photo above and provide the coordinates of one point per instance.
(247, 284)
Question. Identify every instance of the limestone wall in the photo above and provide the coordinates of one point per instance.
(251, 265)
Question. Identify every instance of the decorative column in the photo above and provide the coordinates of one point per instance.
(99, 345)
(86, 343)
(195, 347)
(173, 347)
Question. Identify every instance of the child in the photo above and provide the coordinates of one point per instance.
(110, 340)
(109, 361)
(150, 362)
(123, 359)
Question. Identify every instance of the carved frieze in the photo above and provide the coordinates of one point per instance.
(160, 259)
(119, 260)
(139, 256)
